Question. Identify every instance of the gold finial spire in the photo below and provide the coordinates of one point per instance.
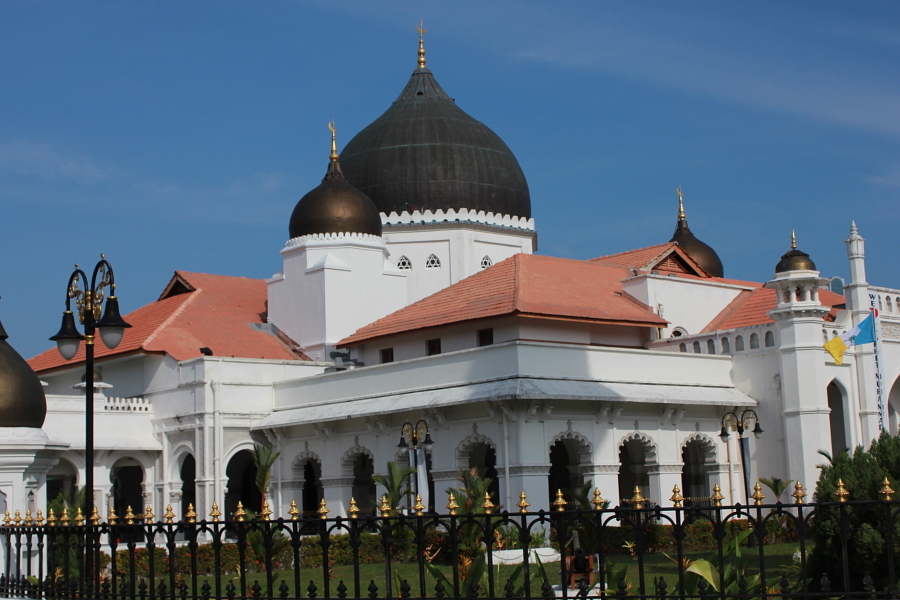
(793, 240)
(79, 517)
(841, 493)
(353, 511)
(680, 203)
(266, 512)
(95, 516)
(191, 516)
(452, 504)
(637, 501)
(215, 514)
(523, 503)
(323, 509)
(676, 498)
(169, 516)
(333, 130)
(560, 503)
(717, 496)
(597, 501)
(419, 507)
(148, 515)
(384, 508)
(886, 491)
(758, 495)
(111, 516)
(420, 27)
(40, 517)
(239, 513)
(487, 505)
(294, 512)
(51, 518)
(798, 494)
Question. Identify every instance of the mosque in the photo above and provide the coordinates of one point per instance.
(411, 293)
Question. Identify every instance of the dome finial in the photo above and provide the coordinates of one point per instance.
(680, 203)
(793, 240)
(420, 27)
(334, 154)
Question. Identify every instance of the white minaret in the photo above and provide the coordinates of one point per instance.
(798, 316)
(858, 303)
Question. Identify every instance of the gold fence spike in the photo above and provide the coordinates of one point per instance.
(757, 495)
(841, 491)
(111, 517)
(95, 516)
(129, 516)
(51, 518)
(6, 519)
(266, 512)
(40, 518)
(637, 501)
(487, 505)
(419, 507)
(798, 494)
(79, 517)
(560, 503)
(63, 520)
(214, 513)
(190, 516)
(148, 515)
(323, 509)
(240, 513)
(353, 511)
(294, 512)
(886, 490)
(676, 498)
(384, 508)
(523, 503)
(597, 501)
(452, 505)
(169, 516)
(28, 520)
(717, 496)
(18, 520)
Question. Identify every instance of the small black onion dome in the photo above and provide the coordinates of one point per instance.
(22, 400)
(426, 153)
(700, 251)
(334, 206)
(795, 260)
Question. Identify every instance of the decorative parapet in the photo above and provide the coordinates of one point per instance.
(134, 404)
(463, 215)
(332, 237)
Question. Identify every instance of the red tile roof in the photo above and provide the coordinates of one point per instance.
(653, 257)
(196, 310)
(752, 308)
(525, 284)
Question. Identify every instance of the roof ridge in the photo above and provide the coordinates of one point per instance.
(599, 258)
(175, 313)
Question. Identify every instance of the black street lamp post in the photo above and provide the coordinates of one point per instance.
(412, 437)
(89, 303)
(748, 420)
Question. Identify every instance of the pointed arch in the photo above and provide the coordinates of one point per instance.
(404, 263)
(837, 419)
(432, 262)
(348, 461)
(650, 449)
(464, 449)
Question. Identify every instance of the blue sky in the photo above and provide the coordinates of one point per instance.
(179, 135)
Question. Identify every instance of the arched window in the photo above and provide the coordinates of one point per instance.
(825, 335)
(433, 262)
(836, 418)
(710, 346)
(404, 263)
(696, 347)
(739, 343)
(770, 339)
(726, 346)
(486, 262)
(682, 347)
(890, 305)
(880, 308)
(754, 341)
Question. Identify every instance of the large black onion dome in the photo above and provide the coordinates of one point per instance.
(795, 260)
(700, 251)
(334, 206)
(425, 153)
(22, 400)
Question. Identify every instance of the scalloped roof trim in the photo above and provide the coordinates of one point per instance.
(463, 215)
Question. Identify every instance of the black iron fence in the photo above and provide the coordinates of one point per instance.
(791, 551)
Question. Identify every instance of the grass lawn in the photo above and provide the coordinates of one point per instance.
(778, 558)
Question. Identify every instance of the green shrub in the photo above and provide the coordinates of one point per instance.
(863, 473)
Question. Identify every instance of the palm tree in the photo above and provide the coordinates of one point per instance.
(396, 483)
(776, 485)
(264, 458)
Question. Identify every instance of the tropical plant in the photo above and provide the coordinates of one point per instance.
(264, 458)
(395, 483)
(70, 497)
(470, 497)
(777, 485)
